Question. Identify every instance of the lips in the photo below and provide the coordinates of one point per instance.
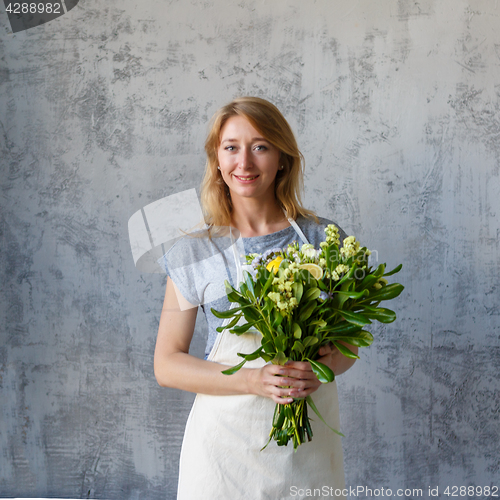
(246, 178)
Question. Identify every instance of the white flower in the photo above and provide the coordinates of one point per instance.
(350, 247)
(308, 250)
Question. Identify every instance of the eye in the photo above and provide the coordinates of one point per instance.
(261, 147)
(230, 148)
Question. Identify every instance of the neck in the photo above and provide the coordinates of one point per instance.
(257, 218)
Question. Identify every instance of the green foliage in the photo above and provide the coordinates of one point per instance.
(298, 314)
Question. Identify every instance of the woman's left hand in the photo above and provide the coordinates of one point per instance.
(330, 356)
(306, 381)
(325, 355)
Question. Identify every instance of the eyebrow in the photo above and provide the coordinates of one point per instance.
(254, 139)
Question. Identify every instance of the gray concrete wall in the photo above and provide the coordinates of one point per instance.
(396, 107)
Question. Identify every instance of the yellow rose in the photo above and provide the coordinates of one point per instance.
(274, 264)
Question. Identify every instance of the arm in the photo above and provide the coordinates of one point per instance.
(175, 367)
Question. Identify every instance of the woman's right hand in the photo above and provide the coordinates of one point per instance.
(284, 383)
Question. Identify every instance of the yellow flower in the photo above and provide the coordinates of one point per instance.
(341, 269)
(274, 264)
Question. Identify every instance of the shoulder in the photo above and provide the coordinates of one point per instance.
(186, 250)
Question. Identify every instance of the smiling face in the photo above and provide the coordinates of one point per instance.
(248, 162)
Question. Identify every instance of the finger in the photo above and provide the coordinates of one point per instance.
(292, 384)
(283, 395)
(305, 372)
(298, 365)
(291, 395)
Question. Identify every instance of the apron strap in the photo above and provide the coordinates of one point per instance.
(239, 270)
(302, 236)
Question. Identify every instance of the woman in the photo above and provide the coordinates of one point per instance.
(252, 185)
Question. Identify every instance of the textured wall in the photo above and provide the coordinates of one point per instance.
(104, 110)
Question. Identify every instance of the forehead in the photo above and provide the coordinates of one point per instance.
(238, 127)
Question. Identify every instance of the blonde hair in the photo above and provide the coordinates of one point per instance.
(268, 120)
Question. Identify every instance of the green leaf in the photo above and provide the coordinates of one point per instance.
(280, 358)
(269, 347)
(229, 288)
(386, 292)
(269, 304)
(321, 323)
(233, 322)
(298, 290)
(280, 342)
(368, 281)
(238, 330)
(343, 296)
(298, 346)
(315, 410)
(342, 327)
(234, 369)
(249, 283)
(394, 271)
(251, 314)
(311, 294)
(355, 318)
(327, 258)
(267, 283)
(278, 318)
(379, 271)
(345, 351)
(307, 311)
(237, 297)
(250, 357)
(309, 341)
(347, 276)
(244, 289)
(380, 314)
(297, 331)
(331, 257)
(359, 339)
(279, 417)
(323, 372)
(353, 294)
(225, 314)
(307, 278)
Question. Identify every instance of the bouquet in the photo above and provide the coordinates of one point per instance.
(301, 299)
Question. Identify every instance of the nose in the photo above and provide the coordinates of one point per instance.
(245, 158)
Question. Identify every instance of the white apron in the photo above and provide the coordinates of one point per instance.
(221, 458)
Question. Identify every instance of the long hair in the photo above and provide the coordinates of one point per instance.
(268, 120)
